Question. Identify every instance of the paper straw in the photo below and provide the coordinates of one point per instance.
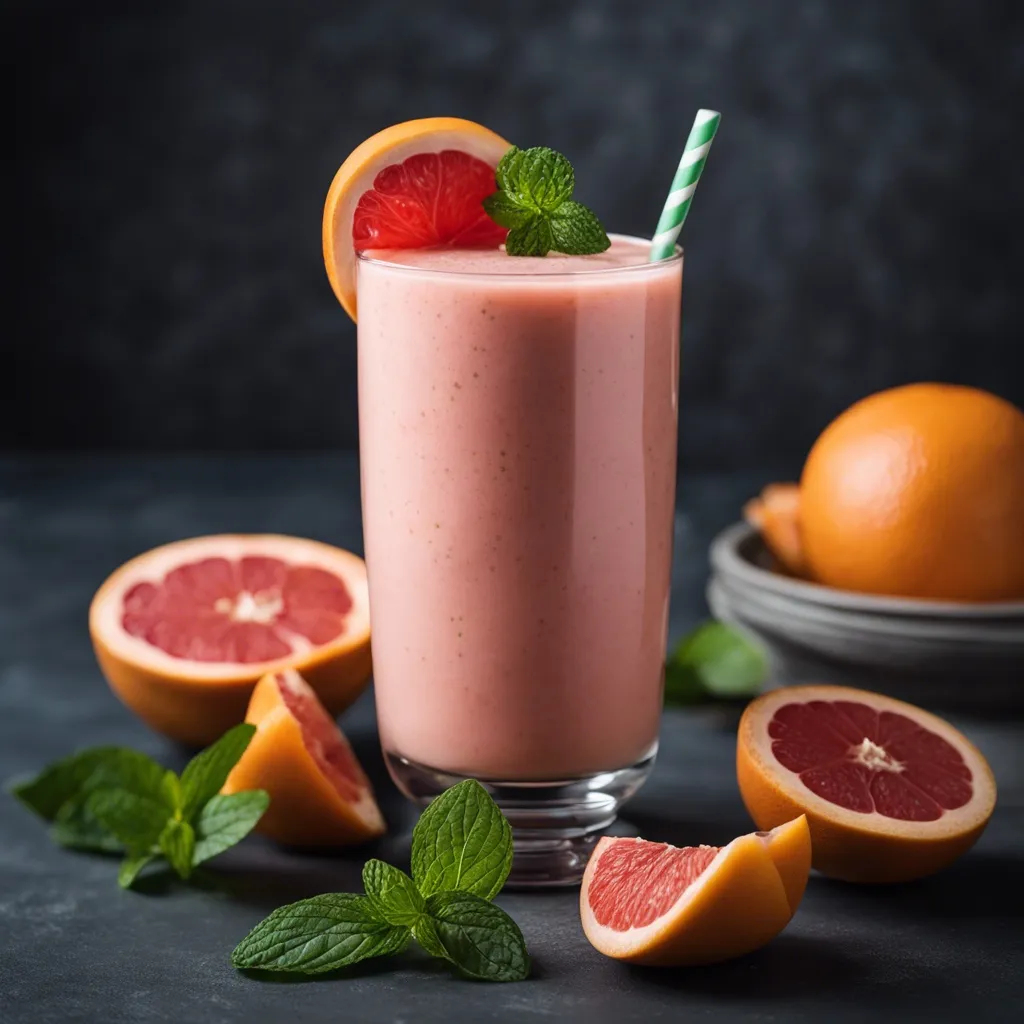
(677, 205)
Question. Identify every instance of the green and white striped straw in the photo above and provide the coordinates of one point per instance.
(677, 205)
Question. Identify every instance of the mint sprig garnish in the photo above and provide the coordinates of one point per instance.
(714, 661)
(461, 855)
(116, 800)
(534, 201)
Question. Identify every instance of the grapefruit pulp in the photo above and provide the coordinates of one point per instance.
(430, 199)
(651, 903)
(891, 792)
(319, 795)
(184, 631)
(414, 185)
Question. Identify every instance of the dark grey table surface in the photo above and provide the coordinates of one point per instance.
(73, 947)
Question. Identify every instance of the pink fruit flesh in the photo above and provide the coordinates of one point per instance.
(867, 760)
(243, 611)
(323, 740)
(636, 881)
(431, 199)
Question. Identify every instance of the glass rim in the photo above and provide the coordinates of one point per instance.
(676, 257)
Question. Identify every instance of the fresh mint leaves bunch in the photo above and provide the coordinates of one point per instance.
(117, 800)
(534, 201)
(461, 856)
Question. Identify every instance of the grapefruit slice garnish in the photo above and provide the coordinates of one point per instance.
(319, 794)
(414, 185)
(651, 903)
(184, 631)
(775, 514)
(891, 792)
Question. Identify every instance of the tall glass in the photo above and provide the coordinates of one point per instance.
(518, 452)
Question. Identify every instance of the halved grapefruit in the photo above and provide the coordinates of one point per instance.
(891, 792)
(651, 903)
(319, 794)
(414, 185)
(775, 514)
(184, 631)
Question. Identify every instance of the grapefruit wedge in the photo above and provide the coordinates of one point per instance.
(651, 903)
(183, 632)
(319, 795)
(891, 792)
(775, 514)
(414, 185)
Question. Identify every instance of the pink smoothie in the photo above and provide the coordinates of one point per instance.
(518, 450)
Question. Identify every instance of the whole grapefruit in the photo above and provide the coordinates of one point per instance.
(918, 491)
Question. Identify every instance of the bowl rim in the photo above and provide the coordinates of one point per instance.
(726, 558)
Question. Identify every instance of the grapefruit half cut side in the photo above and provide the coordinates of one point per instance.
(415, 185)
(891, 792)
(652, 903)
(319, 794)
(184, 631)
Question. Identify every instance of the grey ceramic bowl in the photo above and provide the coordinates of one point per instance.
(932, 652)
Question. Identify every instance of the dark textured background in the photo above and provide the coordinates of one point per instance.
(858, 225)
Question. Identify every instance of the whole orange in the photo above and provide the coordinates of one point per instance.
(919, 492)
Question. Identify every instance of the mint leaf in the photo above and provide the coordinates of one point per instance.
(77, 827)
(60, 793)
(177, 843)
(576, 229)
(479, 937)
(224, 820)
(133, 772)
(534, 201)
(137, 821)
(319, 934)
(130, 868)
(170, 791)
(424, 931)
(113, 799)
(504, 210)
(75, 776)
(207, 772)
(462, 841)
(62, 780)
(534, 238)
(538, 178)
(714, 660)
(392, 893)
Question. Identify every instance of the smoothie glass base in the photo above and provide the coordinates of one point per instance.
(555, 825)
